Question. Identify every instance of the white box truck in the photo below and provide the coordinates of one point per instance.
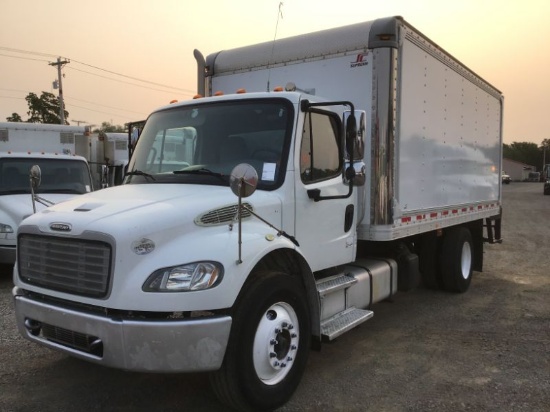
(281, 217)
(52, 148)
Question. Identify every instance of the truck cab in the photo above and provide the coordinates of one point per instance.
(64, 176)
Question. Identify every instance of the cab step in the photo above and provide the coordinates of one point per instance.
(334, 284)
(343, 322)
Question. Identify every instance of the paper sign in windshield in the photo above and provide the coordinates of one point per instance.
(268, 172)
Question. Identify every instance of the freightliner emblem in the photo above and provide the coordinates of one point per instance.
(60, 227)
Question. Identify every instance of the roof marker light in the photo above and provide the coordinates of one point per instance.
(278, 89)
(173, 101)
(218, 93)
(241, 91)
(198, 96)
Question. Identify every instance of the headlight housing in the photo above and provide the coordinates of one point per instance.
(185, 278)
(5, 228)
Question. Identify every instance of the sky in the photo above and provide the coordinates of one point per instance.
(128, 57)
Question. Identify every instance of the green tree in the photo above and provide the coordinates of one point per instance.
(14, 118)
(107, 127)
(43, 109)
(524, 152)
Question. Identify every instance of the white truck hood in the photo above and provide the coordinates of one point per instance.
(131, 210)
(18, 207)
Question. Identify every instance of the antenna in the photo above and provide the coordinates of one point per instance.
(279, 15)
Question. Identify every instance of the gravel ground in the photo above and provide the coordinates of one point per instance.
(485, 350)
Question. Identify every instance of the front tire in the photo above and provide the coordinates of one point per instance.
(268, 346)
(456, 260)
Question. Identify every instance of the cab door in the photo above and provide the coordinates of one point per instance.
(324, 228)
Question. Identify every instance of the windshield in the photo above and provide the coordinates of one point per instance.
(202, 144)
(58, 176)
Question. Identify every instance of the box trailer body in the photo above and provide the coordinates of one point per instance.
(435, 127)
(379, 164)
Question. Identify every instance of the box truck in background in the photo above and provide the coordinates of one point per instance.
(53, 148)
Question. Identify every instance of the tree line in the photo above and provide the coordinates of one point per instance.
(45, 109)
(528, 153)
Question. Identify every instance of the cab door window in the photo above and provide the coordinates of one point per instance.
(320, 157)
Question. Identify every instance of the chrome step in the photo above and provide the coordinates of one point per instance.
(333, 284)
(343, 322)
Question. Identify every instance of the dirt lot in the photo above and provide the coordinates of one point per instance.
(486, 350)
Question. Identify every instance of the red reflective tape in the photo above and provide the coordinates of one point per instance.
(406, 219)
(432, 215)
(445, 213)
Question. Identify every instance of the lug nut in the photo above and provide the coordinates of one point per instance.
(272, 355)
(273, 342)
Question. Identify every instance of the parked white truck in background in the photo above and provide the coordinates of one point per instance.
(65, 175)
(378, 164)
(108, 158)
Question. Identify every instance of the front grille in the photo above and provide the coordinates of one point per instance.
(80, 267)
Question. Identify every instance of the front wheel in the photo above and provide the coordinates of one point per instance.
(268, 346)
(456, 260)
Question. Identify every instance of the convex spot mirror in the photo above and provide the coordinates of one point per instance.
(35, 175)
(243, 180)
(357, 145)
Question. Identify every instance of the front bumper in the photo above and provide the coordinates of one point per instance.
(179, 345)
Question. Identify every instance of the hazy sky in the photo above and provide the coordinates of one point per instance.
(507, 42)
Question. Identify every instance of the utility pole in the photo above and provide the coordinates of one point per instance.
(60, 63)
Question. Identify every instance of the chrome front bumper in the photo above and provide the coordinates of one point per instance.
(189, 345)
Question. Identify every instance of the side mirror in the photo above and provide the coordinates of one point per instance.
(104, 176)
(35, 176)
(243, 180)
(356, 126)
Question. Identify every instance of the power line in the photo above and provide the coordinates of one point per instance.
(122, 81)
(102, 105)
(23, 58)
(9, 49)
(130, 77)
(27, 52)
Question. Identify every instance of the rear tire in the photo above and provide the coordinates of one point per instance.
(456, 260)
(268, 346)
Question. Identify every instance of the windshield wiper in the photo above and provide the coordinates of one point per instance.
(140, 173)
(201, 171)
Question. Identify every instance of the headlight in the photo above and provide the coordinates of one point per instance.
(192, 276)
(5, 228)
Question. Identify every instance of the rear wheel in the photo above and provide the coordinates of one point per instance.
(456, 260)
(268, 346)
